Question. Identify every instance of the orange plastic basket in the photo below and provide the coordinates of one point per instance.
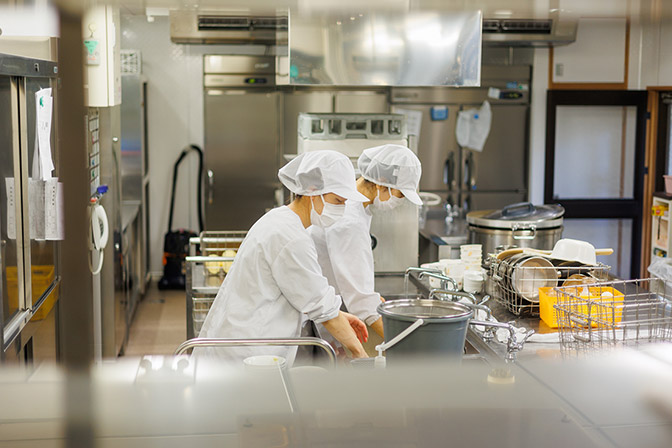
(602, 303)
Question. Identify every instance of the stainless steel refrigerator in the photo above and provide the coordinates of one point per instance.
(242, 124)
(473, 180)
(29, 251)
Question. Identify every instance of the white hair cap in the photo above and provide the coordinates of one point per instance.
(393, 166)
(319, 172)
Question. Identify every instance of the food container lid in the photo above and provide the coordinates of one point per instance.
(517, 215)
(429, 310)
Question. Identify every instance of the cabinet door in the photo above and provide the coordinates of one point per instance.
(502, 165)
(437, 149)
(241, 141)
(9, 284)
(42, 252)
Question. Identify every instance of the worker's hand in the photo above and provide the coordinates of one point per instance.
(359, 327)
(348, 330)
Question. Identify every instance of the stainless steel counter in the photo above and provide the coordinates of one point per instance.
(455, 232)
(441, 239)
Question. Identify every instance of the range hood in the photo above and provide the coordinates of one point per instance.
(198, 27)
(512, 32)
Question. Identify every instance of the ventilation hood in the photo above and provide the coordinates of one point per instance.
(514, 32)
(198, 27)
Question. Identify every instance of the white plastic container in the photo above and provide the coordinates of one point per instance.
(265, 363)
(473, 281)
(454, 269)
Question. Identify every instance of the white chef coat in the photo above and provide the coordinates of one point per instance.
(345, 255)
(275, 280)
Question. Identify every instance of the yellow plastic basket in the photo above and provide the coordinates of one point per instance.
(41, 278)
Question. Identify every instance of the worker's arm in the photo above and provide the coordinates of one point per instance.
(378, 327)
(348, 330)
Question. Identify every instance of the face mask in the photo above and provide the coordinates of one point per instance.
(384, 206)
(330, 214)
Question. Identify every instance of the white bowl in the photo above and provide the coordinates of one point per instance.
(574, 250)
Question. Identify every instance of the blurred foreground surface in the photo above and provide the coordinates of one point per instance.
(618, 399)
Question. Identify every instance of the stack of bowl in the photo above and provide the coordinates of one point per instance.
(471, 256)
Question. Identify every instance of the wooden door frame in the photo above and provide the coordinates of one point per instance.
(652, 131)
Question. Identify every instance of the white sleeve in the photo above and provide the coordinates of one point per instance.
(300, 280)
(349, 248)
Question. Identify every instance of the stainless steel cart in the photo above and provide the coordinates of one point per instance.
(206, 270)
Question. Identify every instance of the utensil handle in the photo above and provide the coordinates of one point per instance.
(608, 251)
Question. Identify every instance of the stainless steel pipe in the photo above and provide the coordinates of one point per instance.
(273, 342)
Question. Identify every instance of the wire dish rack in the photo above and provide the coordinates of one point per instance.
(614, 314)
(514, 282)
(211, 256)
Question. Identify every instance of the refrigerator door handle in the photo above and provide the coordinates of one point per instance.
(449, 171)
(469, 180)
(211, 186)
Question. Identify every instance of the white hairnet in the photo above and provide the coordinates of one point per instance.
(320, 172)
(393, 166)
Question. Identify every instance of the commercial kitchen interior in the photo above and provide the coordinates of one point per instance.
(581, 101)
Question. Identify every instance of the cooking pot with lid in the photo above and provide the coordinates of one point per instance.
(521, 224)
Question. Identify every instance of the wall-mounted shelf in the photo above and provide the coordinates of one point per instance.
(660, 225)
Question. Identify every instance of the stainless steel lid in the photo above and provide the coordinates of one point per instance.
(429, 310)
(515, 215)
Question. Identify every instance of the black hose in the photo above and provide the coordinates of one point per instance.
(183, 154)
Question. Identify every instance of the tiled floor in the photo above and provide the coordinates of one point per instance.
(159, 326)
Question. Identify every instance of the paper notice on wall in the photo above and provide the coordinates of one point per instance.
(473, 127)
(36, 209)
(11, 208)
(53, 204)
(413, 120)
(44, 104)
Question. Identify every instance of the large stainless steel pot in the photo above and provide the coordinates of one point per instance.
(522, 225)
(443, 332)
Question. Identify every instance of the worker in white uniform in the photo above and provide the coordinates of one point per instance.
(389, 174)
(275, 283)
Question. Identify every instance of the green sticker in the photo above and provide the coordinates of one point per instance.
(91, 45)
(293, 71)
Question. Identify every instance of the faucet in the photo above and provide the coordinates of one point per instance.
(444, 279)
(434, 294)
(414, 269)
(513, 346)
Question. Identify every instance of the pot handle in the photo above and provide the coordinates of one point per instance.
(513, 209)
(391, 343)
(519, 232)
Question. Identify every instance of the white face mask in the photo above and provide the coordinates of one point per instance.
(330, 214)
(384, 206)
